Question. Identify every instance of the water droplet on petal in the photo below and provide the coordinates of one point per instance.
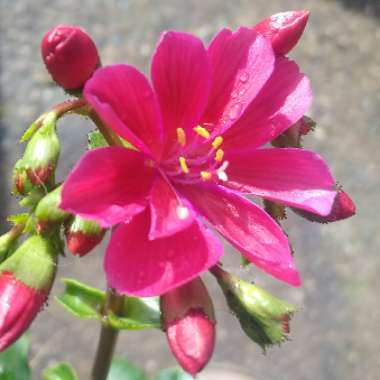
(244, 76)
(242, 91)
(234, 94)
(182, 212)
(234, 111)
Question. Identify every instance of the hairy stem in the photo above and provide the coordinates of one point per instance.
(108, 337)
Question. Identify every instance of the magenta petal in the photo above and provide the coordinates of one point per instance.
(169, 214)
(109, 185)
(125, 101)
(138, 266)
(181, 78)
(241, 63)
(249, 228)
(292, 176)
(284, 99)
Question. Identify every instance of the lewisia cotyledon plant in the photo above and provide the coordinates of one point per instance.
(199, 132)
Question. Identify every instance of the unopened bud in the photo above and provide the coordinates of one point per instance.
(48, 213)
(25, 282)
(293, 135)
(342, 208)
(189, 324)
(263, 317)
(40, 158)
(7, 242)
(70, 56)
(283, 29)
(82, 235)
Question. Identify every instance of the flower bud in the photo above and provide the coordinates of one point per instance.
(7, 242)
(283, 29)
(70, 56)
(342, 208)
(40, 157)
(82, 235)
(48, 213)
(292, 136)
(263, 317)
(25, 281)
(189, 323)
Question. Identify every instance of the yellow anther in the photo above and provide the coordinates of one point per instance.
(202, 132)
(217, 142)
(181, 136)
(183, 164)
(206, 175)
(219, 155)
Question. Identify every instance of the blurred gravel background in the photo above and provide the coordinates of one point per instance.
(335, 335)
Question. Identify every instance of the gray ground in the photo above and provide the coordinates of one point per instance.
(335, 334)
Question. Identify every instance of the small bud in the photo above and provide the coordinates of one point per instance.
(40, 157)
(7, 242)
(25, 282)
(292, 136)
(82, 235)
(342, 208)
(263, 317)
(283, 29)
(70, 56)
(189, 323)
(48, 213)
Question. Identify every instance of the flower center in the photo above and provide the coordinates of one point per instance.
(199, 157)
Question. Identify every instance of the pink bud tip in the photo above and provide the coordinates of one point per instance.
(192, 340)
(80, 244)
(19, 305)
(283, 29)
(70, 56)
(342, 208)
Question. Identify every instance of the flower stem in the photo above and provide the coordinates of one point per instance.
(108, 337)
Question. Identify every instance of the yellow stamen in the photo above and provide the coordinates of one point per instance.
(219, 155)
(202, 132)
(181, 136)
(217, 142)
(206, 175)
(183, 164)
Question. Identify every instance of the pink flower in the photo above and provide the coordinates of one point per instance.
(198, 132)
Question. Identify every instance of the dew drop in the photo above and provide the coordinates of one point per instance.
(234, 94)
(234, 111)
(242, 91)
(182, 212)
(244, 76)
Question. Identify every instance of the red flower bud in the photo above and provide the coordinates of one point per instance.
(70, 56)
(283, 29)
(189, 323)
(83, 235)
(19, 305)
(342, 208)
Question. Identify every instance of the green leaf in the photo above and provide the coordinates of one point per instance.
(122, 369)
(173, 374)
(14, 361)
(137, 314)
(81, 300)
(18, 218)
(62, 371)
(86, 302)
(96, 140)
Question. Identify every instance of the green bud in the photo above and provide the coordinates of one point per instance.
(263, 317)
(48, 213)
(33, 263)
(7, 243)
(40, 157)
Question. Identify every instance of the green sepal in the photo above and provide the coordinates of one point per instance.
(96, 140)
(14, 361)
(33, 263)
(17, 219)
(263, 317)
(48, 213)
(122, 369)
(85, 226)
(173, 374)
(61, 371)
(35, 194)
(86, 302)
(7, 245)
(30, 131)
